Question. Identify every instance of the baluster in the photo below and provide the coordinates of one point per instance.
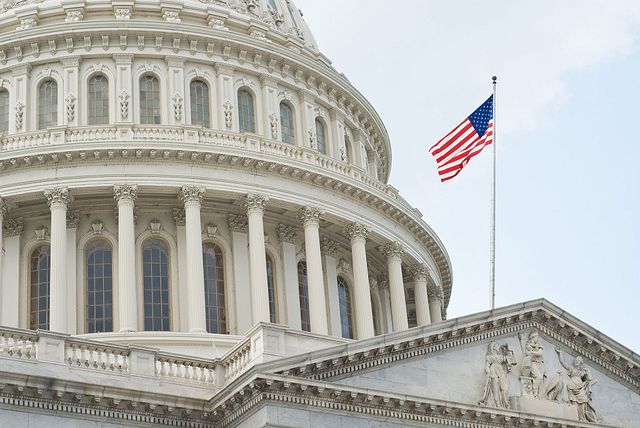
(125, 363)
(3, 343)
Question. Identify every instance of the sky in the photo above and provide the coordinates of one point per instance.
(568, 198)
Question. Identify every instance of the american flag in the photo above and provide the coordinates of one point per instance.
(455, 150)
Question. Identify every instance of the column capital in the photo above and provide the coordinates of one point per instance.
(419, 272)
(73, 219)
(58, 196)
(380, 283)
(310, 215)
(393, 249)
(238, 223)
(357, 231)
(329, 247)
(179, 216)
(13, 226)
(4, 209)
(286, 234)
(125, 192)
(192, 194)
(435, 292)
(255, 202)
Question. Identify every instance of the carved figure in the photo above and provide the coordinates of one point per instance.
(579, 387)
(498, 364)
(554, 387)
(533, 364)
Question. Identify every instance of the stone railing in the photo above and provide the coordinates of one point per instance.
(238, 360)
(181, 368)
(97, 356)
(19, 344)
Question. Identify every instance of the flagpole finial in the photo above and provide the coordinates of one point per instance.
(495, 79)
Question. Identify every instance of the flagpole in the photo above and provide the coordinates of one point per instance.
(492, 245)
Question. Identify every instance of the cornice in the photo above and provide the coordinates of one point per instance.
(383, 199)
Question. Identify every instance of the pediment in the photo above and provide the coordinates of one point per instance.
(533, 358)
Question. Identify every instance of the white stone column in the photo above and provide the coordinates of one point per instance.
(3, 211)
(358, 233)
(310, 218)
(255, 206)
(329, 250)
(58, 199)
(287, 237)
(419, 273)
(436, 298)
(181, 241)
(73, 220)
(393, 252)
(240, 298)
(10, 292)
(126, 196)
(192, 197)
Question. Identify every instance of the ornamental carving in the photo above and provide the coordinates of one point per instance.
(498, 364)
(70, 101)
(393, 249)
(533, 368)
(73, 219)
(125, 192)
(254, 203)
(124, 104)
(228, 114)
(329, 247)
(155, 226)
(179, 216)
(579, 388)
(4, 209)
(273, 118)
(435, 293)
(178, 102)
(310, 215)
(97, 227)
(238, 223)
(344, 266)
(313, 142)
(356, 231)
(192, 194)
(12, 4)
(419, 272)
(211, 231)
(122, 13)
(19, 115)
(27, 23)
(286, 234)
(41, 233)
(171, 16)
(74, 16)
(57, 196)
(13, 227)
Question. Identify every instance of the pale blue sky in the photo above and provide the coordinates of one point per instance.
(568, 104)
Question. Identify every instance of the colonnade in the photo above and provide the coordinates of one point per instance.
(428, 297)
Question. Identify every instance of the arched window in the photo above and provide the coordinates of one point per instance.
(99, 301)
(149, 100)
(98, 100)
(48, 104)
(303, 290)
(346, 314)
(155, 260)
(214, 290)
(271, 284)
(246, 112)
(286, 120)
(4, 111)
(200, 115)
(39, 285)
(321, 137)
(346, 157)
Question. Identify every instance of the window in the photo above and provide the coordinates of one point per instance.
(321, 137)
(273, 307)
(303, 290)
(48, 104)
(98, 102)
(214, 290)
(246, 111)
(200, 104)
(149, 100)
(4, 112)
(346, 314)
(99, 301)
(155, 260)
(39, 285)
(286, 120)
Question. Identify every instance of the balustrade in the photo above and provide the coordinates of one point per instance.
(18, 344)
(97, 356)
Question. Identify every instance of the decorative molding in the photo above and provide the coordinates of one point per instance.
(238, 223)
(124, 104)
(419, 272)
(228, 114)
(211, 230)
(286, 234)
(179, 216)
(329, 247)
(4, 209)
(13, 227)
(41, 233)
(357, 231)
(125, 192)
(97, 227)
(178, 101)
(344, 266)
(273, 121)
(393, 249)
(255, 203)
(73, 219)
(155, 226)
(19, 115)
(70, 101)
(310, 215)
(122, 13)
(58, 196)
